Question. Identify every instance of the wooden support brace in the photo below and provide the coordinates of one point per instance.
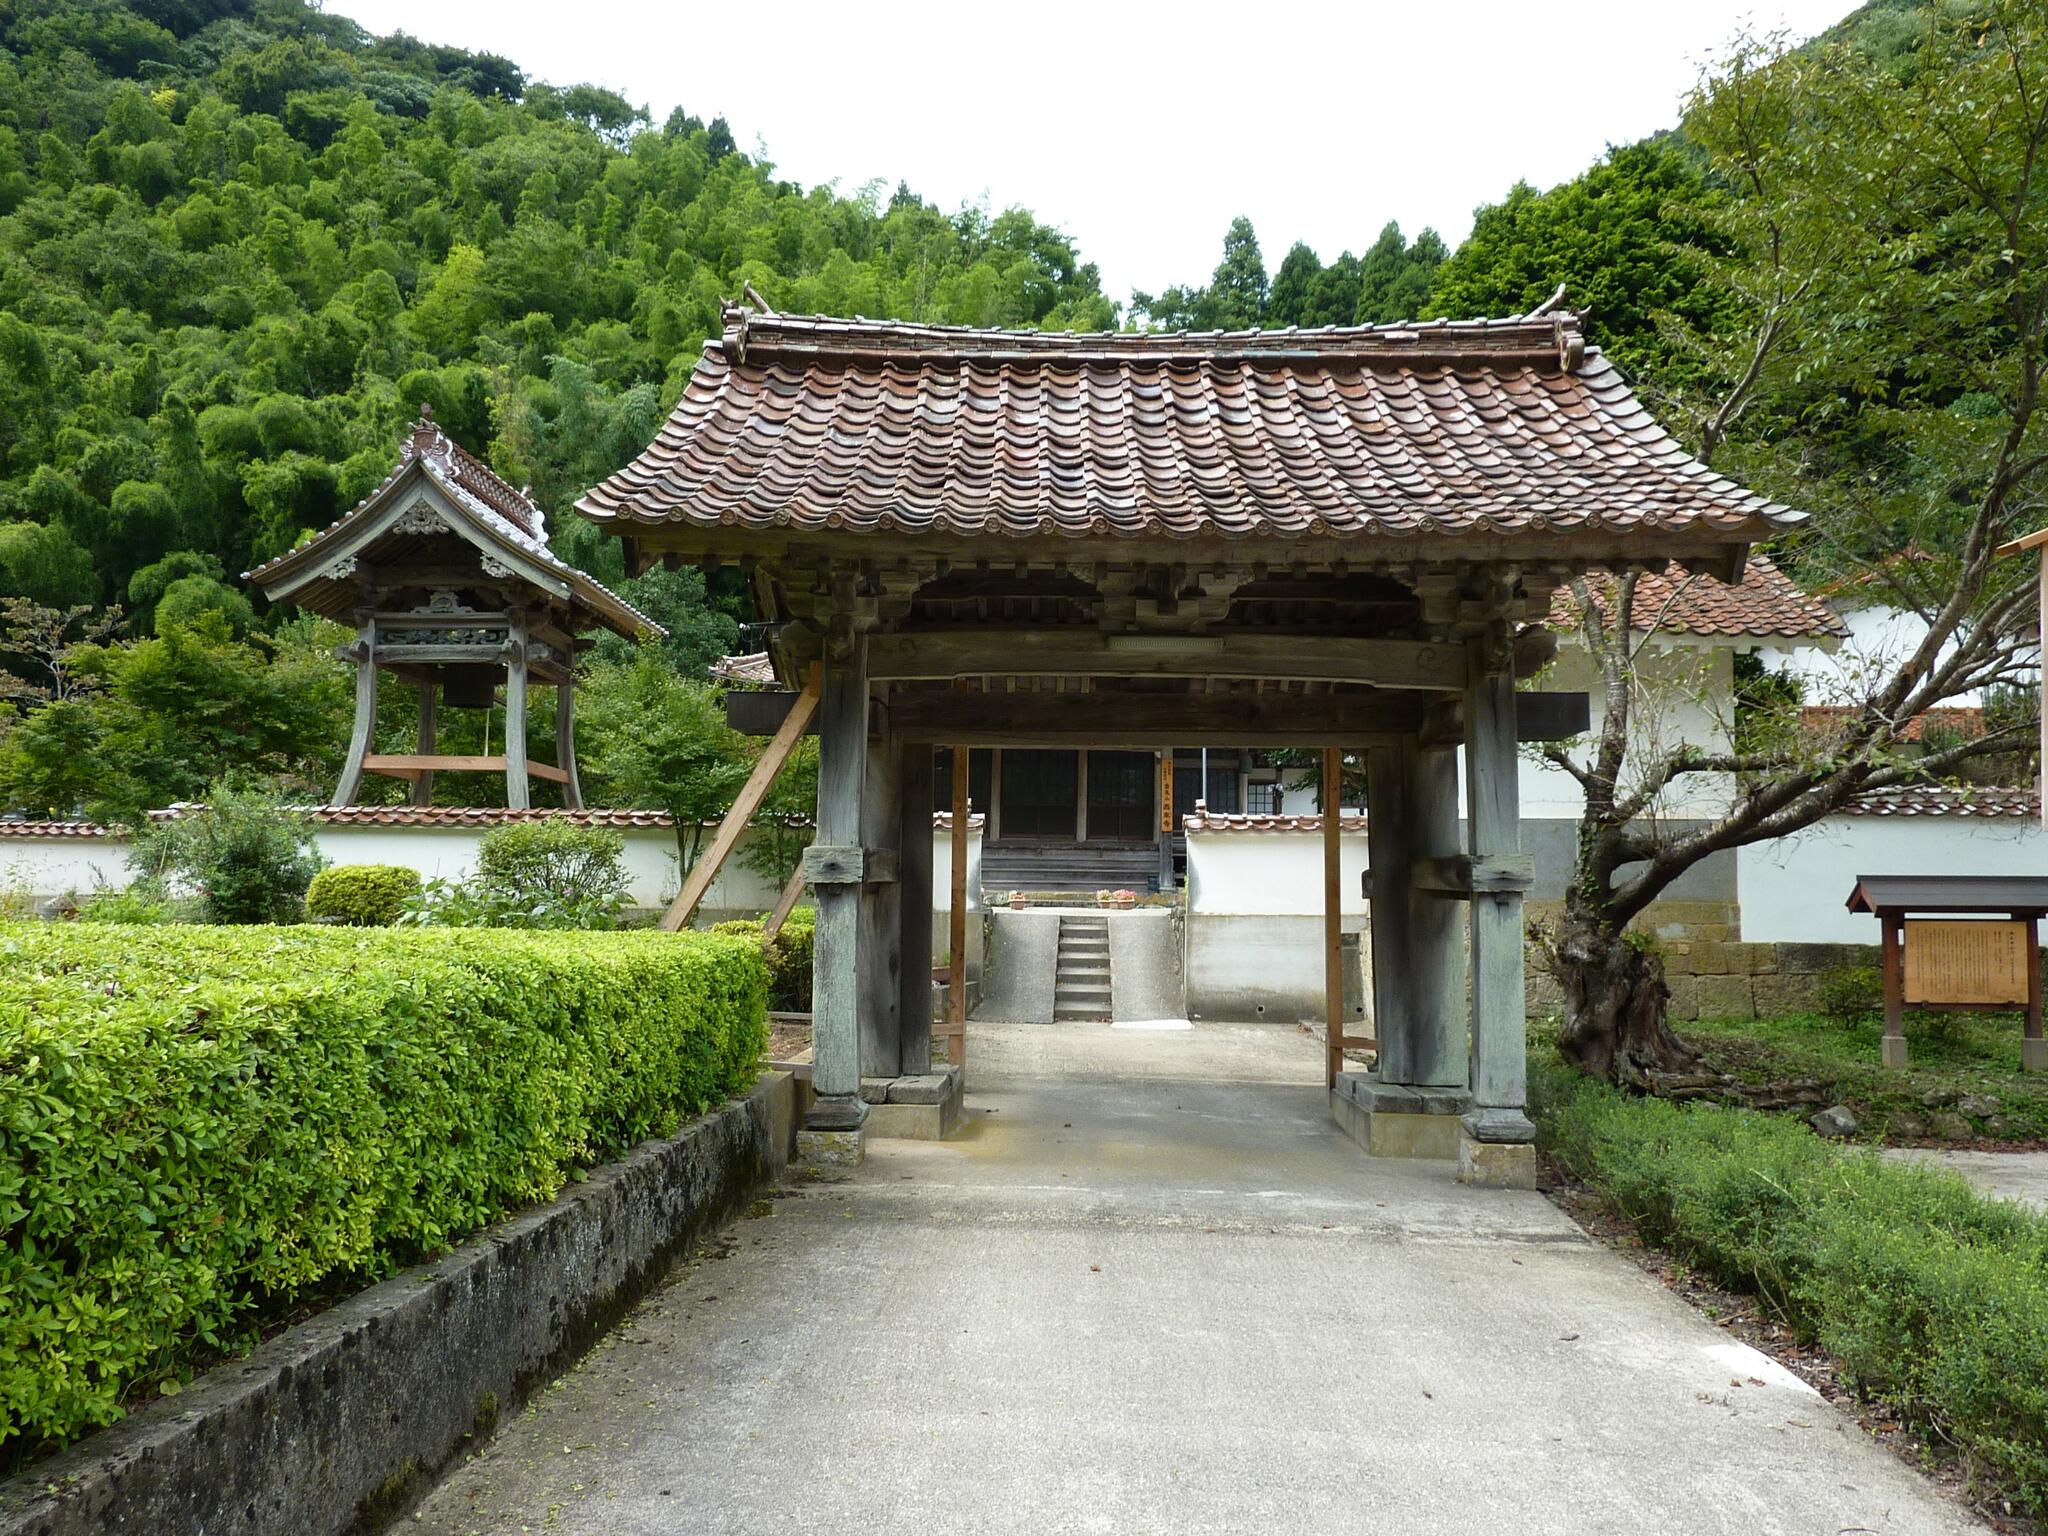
(417, 766)
(748, 801)
(792, 891)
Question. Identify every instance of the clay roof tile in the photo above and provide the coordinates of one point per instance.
(1505, 426)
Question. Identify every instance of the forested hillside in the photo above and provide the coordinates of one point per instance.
(241, 241)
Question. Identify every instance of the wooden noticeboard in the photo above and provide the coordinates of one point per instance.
(1967, 964)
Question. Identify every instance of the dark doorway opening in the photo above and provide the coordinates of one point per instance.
(1120, 796)
(1040, 789)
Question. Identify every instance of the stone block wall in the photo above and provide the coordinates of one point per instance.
(1712, 973)
(1727, 979)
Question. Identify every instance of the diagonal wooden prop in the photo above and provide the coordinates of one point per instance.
(751, 794)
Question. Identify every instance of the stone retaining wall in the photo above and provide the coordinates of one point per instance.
(1717, 976)
(335, 1424)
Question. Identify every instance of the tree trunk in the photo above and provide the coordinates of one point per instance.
(1616, 1024)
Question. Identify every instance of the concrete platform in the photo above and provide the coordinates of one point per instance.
(1390, 1120)
(1150, 1287)
(920, 1108)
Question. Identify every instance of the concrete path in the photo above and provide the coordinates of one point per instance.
(2021, 1176)
(1151, 1288)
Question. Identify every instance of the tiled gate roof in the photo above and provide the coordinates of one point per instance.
(1473, 427)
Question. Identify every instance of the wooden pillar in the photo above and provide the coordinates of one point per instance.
(2033, 1048)
(914, 903)
(1334, 1021)
(1436, 926)
(364, 735)
(1411, 808)
(881, 916)
(565, 741)
(518, 785)
(1499, 1046)
(1396, 1005)
(956, 924)
(834, 864)
(1892, 1048)
(423, 781)
(1163, 779)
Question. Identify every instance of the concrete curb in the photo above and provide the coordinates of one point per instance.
(334, 1424)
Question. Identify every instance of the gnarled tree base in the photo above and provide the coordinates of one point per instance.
(1616, 1017)
(1617, 1023)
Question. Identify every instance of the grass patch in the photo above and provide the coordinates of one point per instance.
(1933, 1298)
(1964, 1064)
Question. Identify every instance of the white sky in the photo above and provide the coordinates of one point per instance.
(1142, 129)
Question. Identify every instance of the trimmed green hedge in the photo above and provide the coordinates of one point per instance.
(1935, 1298)
(367, 895)
(788, 955)
(199, 1125)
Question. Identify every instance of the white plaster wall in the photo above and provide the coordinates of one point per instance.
(942, 898)
(1793, 889)
(942, 871)
(449, 853)
(1879, 639)
(1254, 931)
(1686, 696)
(42, 867)
(1251, 873)
(37, 868)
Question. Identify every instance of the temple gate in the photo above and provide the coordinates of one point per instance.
(1342, 539)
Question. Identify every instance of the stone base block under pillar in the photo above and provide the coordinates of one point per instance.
(831, 1149)
(2033, 1055)
(1397, 1120)
(1495, 1164)
(925, 1107)
(1893, 1049)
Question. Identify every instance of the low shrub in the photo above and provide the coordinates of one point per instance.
(534, 874)
(472, 903)
(789, 962)
(202, 1126)
(146, 901)
(1850, 993)
(362, 895)
(788, 956)
(1934, 1298)
(246, 854)
(554, 861)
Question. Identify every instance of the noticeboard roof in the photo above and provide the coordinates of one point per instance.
(2002, 894)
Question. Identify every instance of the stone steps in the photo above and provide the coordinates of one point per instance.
(1082, 868)
(1081, 971)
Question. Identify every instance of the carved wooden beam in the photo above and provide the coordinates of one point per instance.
(1048, 652)
(1151, 721)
